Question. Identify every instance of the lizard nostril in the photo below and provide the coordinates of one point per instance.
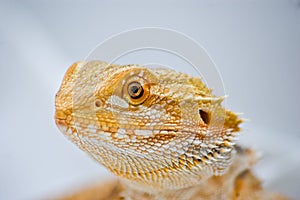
(97, 103)
(204, 116)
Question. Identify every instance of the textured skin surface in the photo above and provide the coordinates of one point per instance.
(162, 132)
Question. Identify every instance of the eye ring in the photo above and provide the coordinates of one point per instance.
(135, 90)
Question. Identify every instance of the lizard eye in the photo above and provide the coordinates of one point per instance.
(135, 90)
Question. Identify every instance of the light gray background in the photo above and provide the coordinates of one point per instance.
(256, 45)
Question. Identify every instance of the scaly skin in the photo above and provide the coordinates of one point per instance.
(162, 132)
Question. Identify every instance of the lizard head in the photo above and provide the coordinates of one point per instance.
(154, 127)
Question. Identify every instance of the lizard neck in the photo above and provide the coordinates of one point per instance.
(219, 187)
(146, 174)
(135, 191)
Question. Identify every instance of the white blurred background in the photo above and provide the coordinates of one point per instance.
(256, 45)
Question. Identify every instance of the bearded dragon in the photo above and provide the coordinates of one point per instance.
(162, 132)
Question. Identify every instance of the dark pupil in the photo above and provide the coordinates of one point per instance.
(135, 90)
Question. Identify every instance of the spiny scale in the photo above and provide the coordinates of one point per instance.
(162, 132)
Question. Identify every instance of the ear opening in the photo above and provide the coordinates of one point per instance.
(205, 116)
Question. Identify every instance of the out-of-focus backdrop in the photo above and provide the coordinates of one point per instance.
(256, 45)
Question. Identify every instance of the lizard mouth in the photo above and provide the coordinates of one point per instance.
(60, 115)
(60, 120)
